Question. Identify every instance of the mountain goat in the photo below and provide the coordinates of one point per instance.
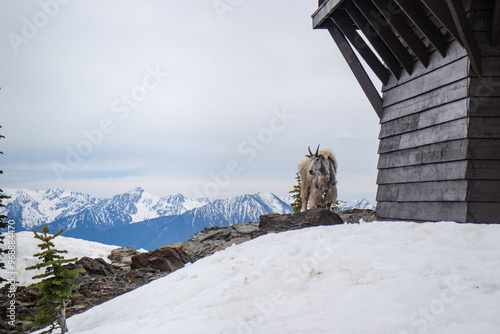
(318, 179)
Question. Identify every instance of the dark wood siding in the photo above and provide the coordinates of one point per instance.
(484, 130)
(439, 152)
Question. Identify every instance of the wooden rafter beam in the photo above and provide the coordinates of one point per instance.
(440, 10)
(345, 24)
(356, 67)
(378, 44)
(397, 20)
(496, 23)
(466, 34)
(387, 35)
(417, 14)
(322, 14)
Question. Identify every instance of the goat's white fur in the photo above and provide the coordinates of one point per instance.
(318, 190)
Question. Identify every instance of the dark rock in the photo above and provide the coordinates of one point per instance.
(165, 259)
(278, 223)
(213, 239)
(97, 266)
(354, 215)
(139, 261)
(160, 263)
(135, 274)
(121, 257)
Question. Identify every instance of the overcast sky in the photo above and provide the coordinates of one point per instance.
(204, 98)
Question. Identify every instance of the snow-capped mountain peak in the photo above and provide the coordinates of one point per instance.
(136, 217)
(36, 207)
(356, 204)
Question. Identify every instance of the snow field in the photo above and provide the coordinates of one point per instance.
(381, 277)
(27, 245)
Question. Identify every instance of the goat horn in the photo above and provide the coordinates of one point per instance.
(310, 153)
(317, 150)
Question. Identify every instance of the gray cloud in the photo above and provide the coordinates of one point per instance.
(225, 80)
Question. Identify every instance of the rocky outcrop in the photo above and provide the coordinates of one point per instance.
(122, 257)
(354, 216)
(213, 239)
(278, 223)
(130, 269)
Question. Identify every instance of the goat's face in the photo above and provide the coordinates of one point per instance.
(316, 166)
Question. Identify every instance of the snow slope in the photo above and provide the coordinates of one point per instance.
(26, 246)
(381, 277)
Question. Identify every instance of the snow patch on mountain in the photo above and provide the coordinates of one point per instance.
(146, 206)
(356, 204)
(37, 207)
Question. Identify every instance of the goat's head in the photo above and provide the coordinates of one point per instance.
(316, 165)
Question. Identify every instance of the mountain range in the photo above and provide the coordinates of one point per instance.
(137, 218)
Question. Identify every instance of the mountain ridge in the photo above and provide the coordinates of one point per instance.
(135, 218)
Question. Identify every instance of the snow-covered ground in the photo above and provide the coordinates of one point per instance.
(26, 246)
(381, 277)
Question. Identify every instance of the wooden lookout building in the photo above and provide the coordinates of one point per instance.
(439, 107)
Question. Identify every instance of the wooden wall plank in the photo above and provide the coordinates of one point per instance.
(495, 30)
(441, 77)
(449, 93)
(484, 106)
(443, 132)
(399, 125)
(484, 191)
(491, 66)
(485, 87)
(484, 169)
(487, 49)
(438, 191)
(485, 213)
(480, 4)
(482, 20)
(484, 127)
(430, 117)
(422, 211)
(484, 149)
(454, 52)
(454, 170)
(437, 152)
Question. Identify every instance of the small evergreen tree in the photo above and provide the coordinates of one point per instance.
(3, 225)
(297, 200)
(56, 285)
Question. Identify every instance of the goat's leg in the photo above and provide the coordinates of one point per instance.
(316, 199)
(304, 194)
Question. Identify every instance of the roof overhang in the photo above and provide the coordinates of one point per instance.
(393, 35)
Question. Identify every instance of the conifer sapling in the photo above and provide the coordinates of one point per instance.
(297, 203)
(3, 225)
(57, 284)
